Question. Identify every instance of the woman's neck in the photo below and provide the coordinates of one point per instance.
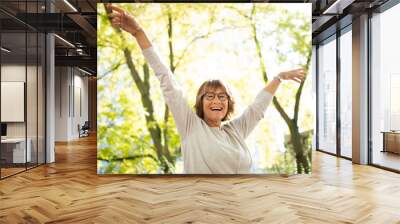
(213, 123)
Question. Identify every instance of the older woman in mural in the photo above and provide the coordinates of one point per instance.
(212, 143)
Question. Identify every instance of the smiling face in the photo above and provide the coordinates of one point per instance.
(214, 102)
(215, 105)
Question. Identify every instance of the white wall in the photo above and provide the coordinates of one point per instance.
(71, 93)
(62, 81)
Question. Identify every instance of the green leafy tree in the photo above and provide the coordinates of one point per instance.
(165, 141)
(128, 92)
(302, 45)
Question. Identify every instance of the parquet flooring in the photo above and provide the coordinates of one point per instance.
(70, 191)
(9, 171)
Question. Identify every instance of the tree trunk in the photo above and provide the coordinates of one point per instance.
(298, 148)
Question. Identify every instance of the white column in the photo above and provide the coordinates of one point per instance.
(50, 99)
(62, 103)
(360, 90)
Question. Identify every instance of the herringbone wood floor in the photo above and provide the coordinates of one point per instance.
(70, 191)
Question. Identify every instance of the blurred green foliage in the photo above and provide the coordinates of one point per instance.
(136, 132)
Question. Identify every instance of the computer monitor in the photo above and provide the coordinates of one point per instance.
(3, 129)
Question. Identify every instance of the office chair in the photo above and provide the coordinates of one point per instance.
(84, 130)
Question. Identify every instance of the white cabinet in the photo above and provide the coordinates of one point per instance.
(18, 149)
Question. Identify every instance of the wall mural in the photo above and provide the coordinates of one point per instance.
(188, 88)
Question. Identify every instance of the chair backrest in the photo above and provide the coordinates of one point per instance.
(86, 125)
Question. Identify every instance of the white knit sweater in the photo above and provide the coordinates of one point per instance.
(208, 150)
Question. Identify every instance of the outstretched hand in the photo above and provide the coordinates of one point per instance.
(122, 20)
(297, 75)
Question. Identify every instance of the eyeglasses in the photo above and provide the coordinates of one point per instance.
(211, 96)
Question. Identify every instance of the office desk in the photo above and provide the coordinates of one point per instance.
(16, 147)
(391, 141)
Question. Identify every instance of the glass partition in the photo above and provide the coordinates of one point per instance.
(327, 95)
(22, 88)
(41, 85)
(385, 88)
(31, 97)
(15, 151)
(346, 93)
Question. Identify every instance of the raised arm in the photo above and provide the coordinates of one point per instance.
(247, 121)
(122, 20)
(295, 75)
(181, 111)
